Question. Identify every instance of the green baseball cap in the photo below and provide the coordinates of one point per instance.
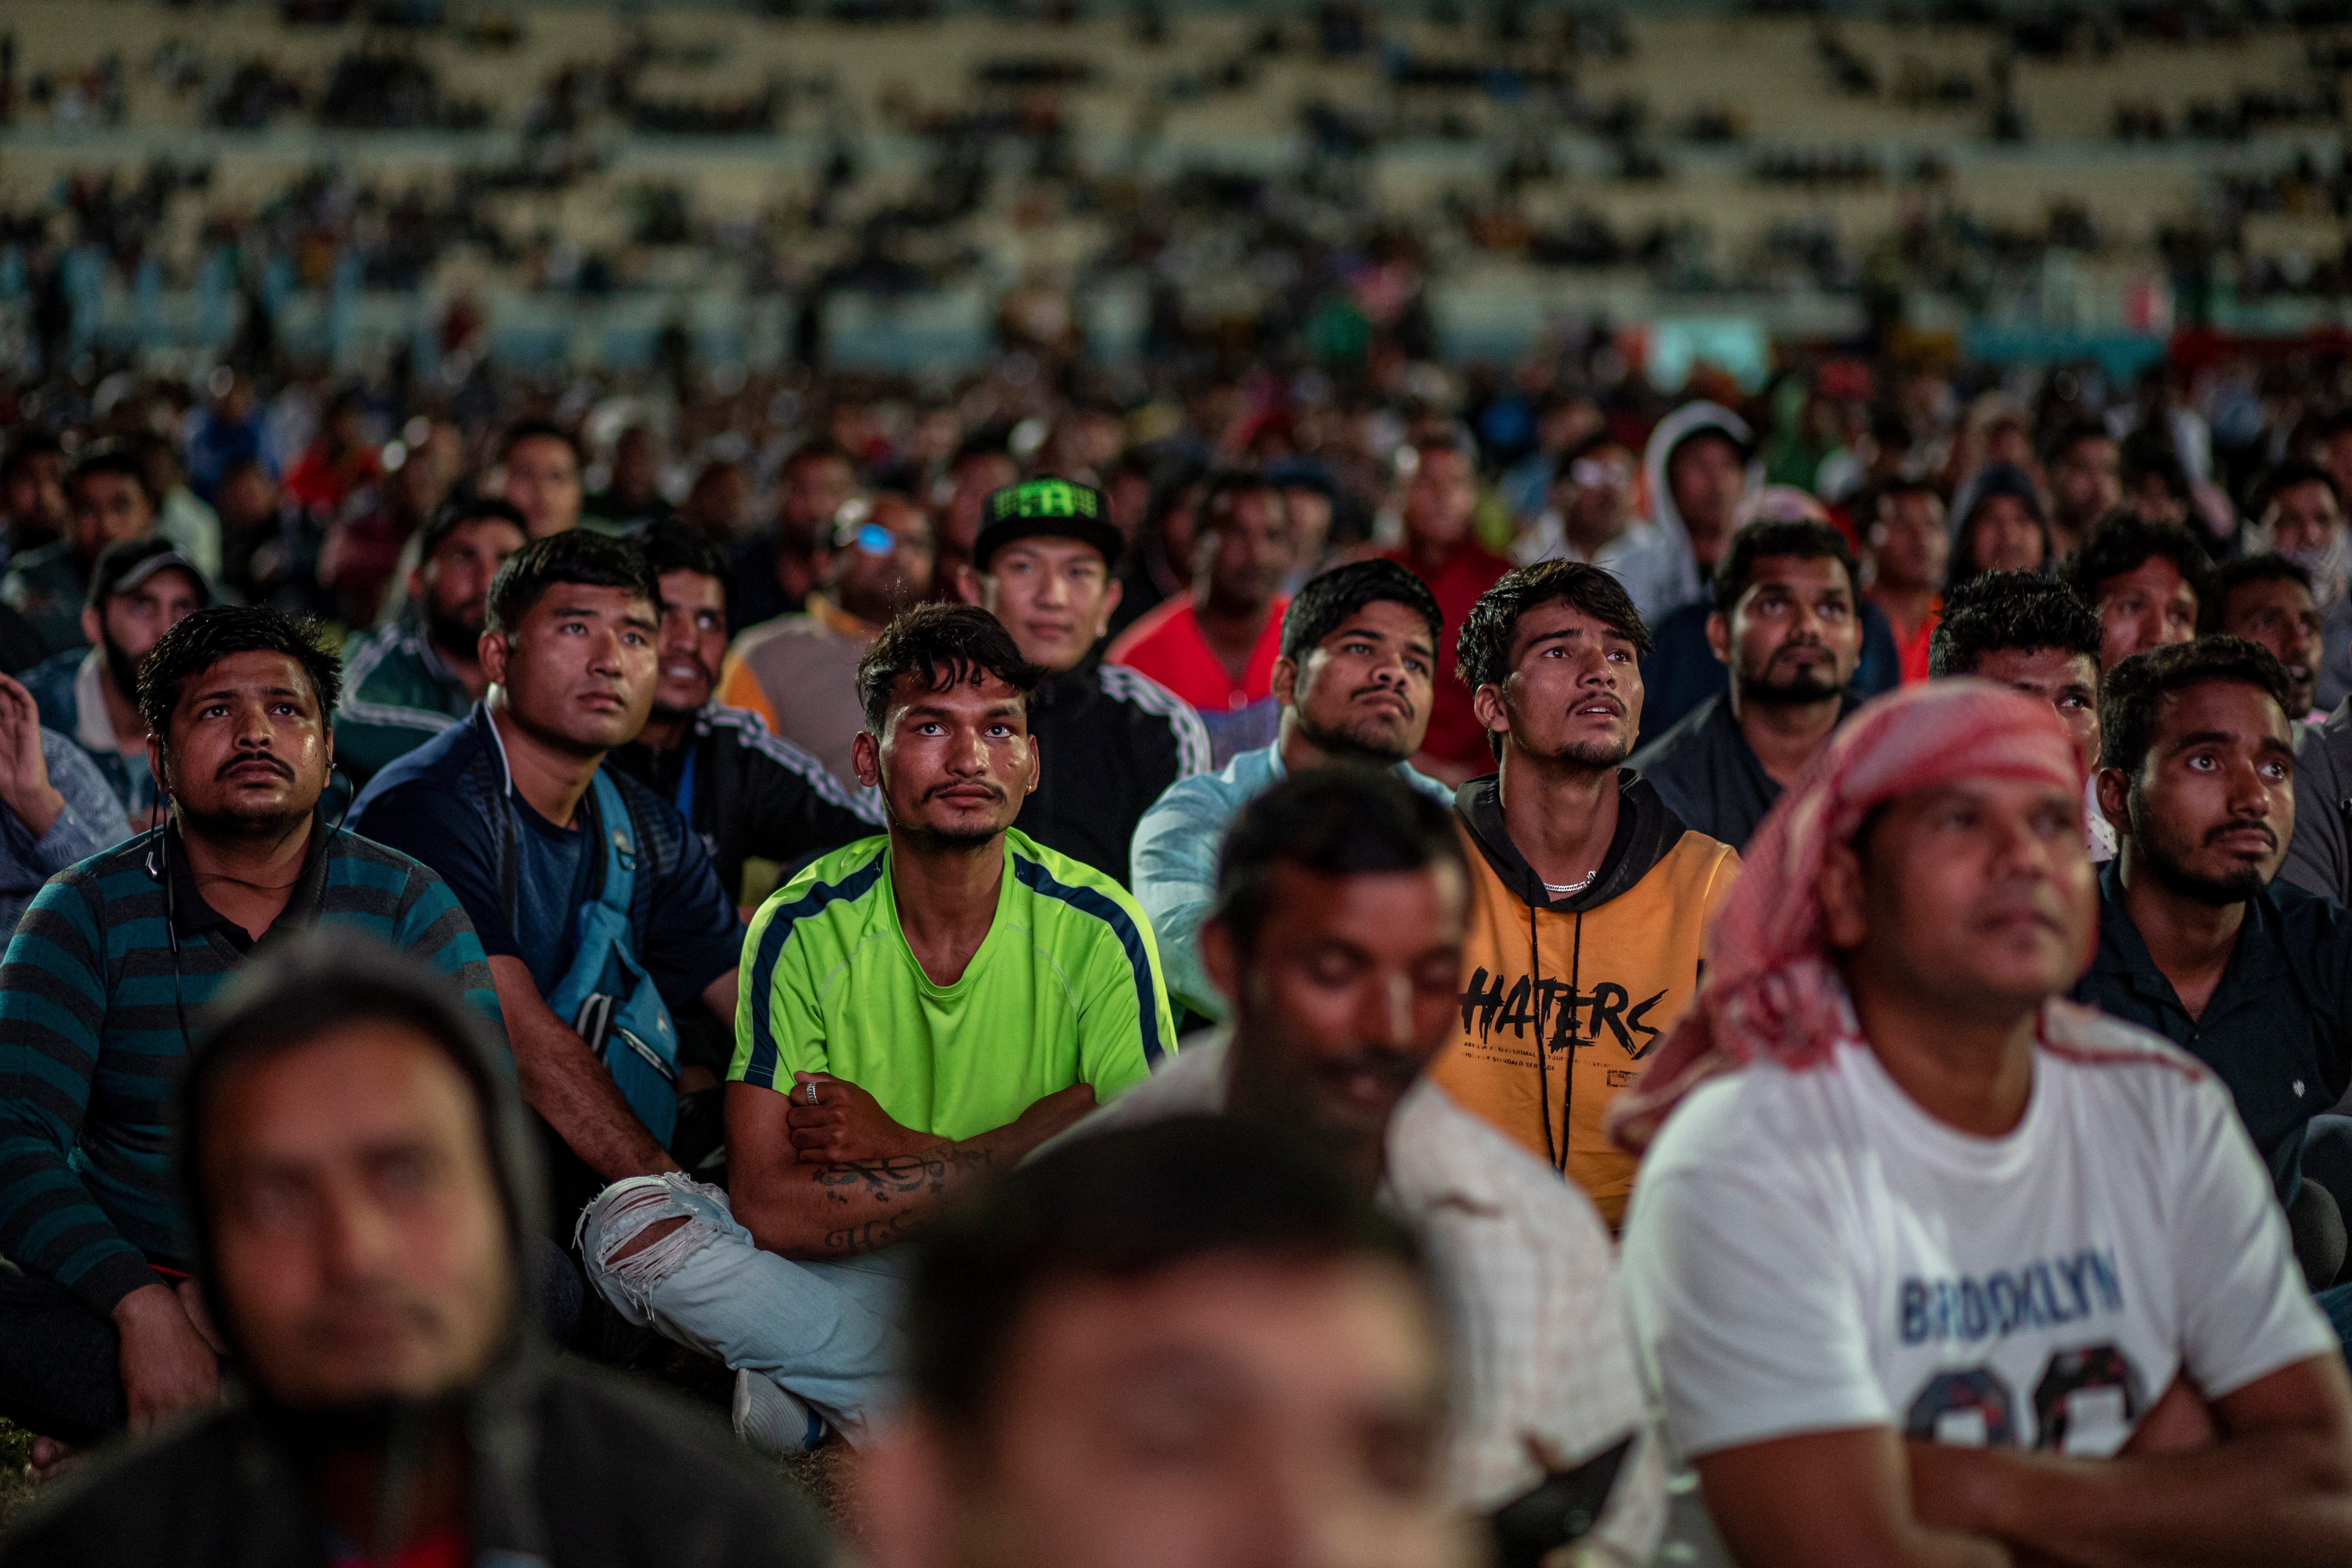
(1047, 508)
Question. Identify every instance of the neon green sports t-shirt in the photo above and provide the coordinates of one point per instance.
(1065, 988)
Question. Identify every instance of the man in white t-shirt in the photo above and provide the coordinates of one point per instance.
(1930, 1266)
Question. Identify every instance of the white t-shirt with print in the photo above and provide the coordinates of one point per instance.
(1809, 1251)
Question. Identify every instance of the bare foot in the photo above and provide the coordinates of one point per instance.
(51, 1459)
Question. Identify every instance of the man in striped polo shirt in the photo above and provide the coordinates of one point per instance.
(106, 971)
(918, 1009)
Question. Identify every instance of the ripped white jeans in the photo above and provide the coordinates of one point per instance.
(824, 1331)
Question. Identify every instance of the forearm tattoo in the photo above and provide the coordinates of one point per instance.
(904, 1187)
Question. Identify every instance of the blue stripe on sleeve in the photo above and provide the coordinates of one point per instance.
(760, 1069)
(1038, 881)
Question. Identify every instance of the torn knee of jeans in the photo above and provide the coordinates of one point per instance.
(642, 1237)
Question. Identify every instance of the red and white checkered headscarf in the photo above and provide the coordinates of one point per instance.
(1771, 988)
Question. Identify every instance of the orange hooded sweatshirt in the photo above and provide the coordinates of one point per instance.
(1562, 1000)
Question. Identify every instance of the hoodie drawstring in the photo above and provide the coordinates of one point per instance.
(1557, 1152)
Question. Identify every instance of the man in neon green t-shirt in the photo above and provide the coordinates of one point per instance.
(917, 1009)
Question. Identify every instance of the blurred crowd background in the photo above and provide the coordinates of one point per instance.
(316, 256)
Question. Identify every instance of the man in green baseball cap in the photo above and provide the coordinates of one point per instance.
(1110, 740)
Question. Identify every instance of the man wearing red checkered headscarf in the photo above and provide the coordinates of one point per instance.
(1930, 1265)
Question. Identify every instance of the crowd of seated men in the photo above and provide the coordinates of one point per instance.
(1319, 1069)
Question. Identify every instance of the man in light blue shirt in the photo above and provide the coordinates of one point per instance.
(56, 807)
(1353, 684)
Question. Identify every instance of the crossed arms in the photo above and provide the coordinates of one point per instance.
(840, 1177)
(2261, 1476)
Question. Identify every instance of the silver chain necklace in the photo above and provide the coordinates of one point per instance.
(1563, 890)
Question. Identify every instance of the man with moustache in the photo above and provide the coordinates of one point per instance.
(141, 589)
(409, 681)
(365, 1210)
(1931, 1268)
(2034, 636)
(2268, 599)
(920, 1009)
(1216, 647)
(799, 672)
(1788, 626)
(586, 886)
(108, 970)
(1342, 899)
(109, 504)
(1110, 740)
(745, 791)
(2254, 979)
(1353, 680)
(1589, 894)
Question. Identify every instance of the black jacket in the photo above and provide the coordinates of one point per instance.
(618, 1477)
(755, 792)
(1110, 741)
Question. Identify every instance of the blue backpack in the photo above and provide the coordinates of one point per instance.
(606, 994)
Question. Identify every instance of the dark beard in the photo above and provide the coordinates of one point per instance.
(2217, 892)
(1796, 693)
(1593, 758)
(451, 633)
(121, 667)
(1343, 745)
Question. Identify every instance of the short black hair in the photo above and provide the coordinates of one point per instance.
(199, 641)
(458, 513)
(2135, 687)
(1482, 653)
(1996, 612)
(1804, 540)
(1120, 1206)
(2146, 457)
(1226, 483)
(2073, 435)
(2124, 541)
(1900, 485)
(109, 458)
(1323, 605)
(2266, 568)
(25, 446)
(822, 450)
(2294, 475)
(672, 546)
(941, 645)
(1601, 440)
(523, 430)
(1349, 819)
(577, 555)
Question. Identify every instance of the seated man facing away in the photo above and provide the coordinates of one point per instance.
(744, 790)
(1931, 1266)
(415, 677)
(2021, 630)
(584, 884)
(360, 1178)
(1337, 940)
(920, 1009)
(1589, 897)
(106, 971)
(1359, 657)
(1184, 1345)
(2195, 944)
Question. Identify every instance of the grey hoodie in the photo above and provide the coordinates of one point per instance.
(1672, 431)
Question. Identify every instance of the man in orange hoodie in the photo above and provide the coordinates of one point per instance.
(1590, 894)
